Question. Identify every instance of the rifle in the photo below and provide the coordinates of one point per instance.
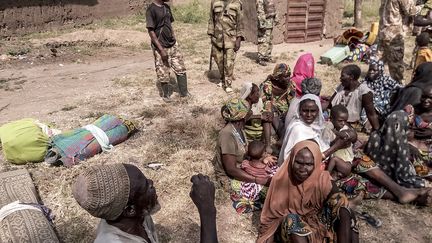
(211, 57)
(223, 61)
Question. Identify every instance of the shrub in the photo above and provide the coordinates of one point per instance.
(191, 13)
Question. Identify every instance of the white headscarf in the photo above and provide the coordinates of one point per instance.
(298, 131)
(245, 91)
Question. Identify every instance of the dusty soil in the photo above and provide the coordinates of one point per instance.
(70, 78)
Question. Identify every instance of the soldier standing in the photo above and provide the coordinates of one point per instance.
(166, 51)
(391, 35)
(266, 13)
(226, 32)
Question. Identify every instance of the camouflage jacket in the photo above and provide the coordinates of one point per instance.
(426, 8)
(266, 13)
(393, 13)
(226, 22)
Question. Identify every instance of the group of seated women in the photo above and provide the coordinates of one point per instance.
(298, 157)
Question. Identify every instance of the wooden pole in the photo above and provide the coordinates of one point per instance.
(358, 13)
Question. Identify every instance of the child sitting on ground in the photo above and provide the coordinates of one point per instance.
(250, 196)
(340, 164)
(344, 165)
(258, 165)
(424, 53)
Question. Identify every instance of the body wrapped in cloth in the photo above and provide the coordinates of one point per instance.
(71, 147)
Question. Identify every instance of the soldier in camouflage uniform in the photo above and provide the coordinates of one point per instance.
(266, 13)
(424, 17)
(226, 31)
(391, 35)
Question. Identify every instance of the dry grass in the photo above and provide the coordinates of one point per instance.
(182, 137)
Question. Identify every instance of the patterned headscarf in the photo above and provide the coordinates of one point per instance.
(311, 86)
(235, 110)
(281, 69)
(383, 87)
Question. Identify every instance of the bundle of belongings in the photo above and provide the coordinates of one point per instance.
(22, 218)
(352, 46)
(25, 141)
(28, 140)
(69, 148)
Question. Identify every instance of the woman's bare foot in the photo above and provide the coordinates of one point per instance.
(408, 195)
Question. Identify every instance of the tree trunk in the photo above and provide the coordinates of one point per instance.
(358, 13)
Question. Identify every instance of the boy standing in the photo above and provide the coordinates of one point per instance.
(424, 53)
(166, 51)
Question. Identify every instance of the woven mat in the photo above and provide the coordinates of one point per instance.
(26, 225)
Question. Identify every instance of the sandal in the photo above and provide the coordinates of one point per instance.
(374, 222)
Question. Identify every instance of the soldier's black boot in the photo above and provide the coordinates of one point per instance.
(182, 85)
(166, 92)
(261, 61)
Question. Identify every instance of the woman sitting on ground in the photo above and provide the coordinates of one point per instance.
(308, 86)
(411, 94)
(277, 92)
(303, 205)
(307, 124)
(383, 87)
(232, 144)
(420, 133)
(231, 149)
(355, 96)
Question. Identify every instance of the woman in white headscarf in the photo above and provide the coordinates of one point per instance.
(307, 123)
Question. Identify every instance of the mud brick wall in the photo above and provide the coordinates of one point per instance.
(23, 16)
(332, 19)
(250, 19)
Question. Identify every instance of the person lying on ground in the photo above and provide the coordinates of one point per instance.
(246, 196)
(277, 91)
(411, 93)
(298, 197)
(355, 96)
(124, 199)
(420, 133)
(383, 87)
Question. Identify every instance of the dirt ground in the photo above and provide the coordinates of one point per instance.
(69, 78)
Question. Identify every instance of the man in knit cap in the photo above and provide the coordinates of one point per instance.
(125, 199)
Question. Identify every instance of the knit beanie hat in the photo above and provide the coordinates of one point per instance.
(103, 190)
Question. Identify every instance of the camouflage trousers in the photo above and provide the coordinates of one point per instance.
(265, 43)
(225, 59)
(175, 62)
(393, 55)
